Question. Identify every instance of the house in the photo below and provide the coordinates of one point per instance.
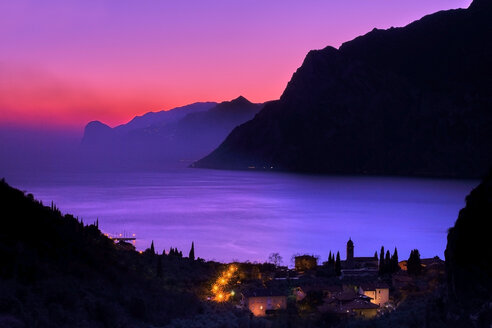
(377, 291)
(262, 302)
(350, 303)
(305, 263)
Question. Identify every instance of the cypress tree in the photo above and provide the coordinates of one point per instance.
(376, 255)
(152, 249)
(191, 256)
(387, 262)
(381, 261)
(413, 265)
(394, 261)
(329, 258)
(338, 265)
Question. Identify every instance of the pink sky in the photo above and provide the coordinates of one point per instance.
(65, 62)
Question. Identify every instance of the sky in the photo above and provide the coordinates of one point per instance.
(64, 63)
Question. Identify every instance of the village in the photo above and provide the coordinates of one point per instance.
(357, 287)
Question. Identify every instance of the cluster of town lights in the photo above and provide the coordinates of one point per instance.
(219, 288)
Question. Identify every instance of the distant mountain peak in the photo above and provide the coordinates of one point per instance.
(97, 125)
(240, 100)
(95, 131)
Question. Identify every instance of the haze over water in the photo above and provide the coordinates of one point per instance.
(248, 215)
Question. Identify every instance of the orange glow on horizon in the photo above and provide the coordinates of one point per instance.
(147, 56)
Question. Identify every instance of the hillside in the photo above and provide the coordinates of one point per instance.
(58, 272)
(469, 260)
(414, 100)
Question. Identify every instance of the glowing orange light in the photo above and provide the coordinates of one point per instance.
(218, 288)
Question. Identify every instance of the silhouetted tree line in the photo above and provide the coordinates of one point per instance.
(388, 263)
(175, 252)
(334, 265)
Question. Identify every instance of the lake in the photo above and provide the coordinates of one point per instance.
(238, 215)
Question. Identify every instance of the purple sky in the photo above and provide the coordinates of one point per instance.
(66, 62)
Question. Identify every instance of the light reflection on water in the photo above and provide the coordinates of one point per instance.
(248, 215)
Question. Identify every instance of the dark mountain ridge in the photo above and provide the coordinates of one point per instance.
(414, 100)
(469, 261)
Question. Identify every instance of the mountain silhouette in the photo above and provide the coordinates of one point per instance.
(469, 260)
(415, 100)
(170, 138)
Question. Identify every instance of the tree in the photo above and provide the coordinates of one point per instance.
(394, 261)
(414, 266)
(275, 258)
(338, 265)
(376, 255)
(191, 256)
(381, 261)
(152, 249)
(387, 262)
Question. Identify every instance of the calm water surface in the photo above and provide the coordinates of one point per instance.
(248, 215)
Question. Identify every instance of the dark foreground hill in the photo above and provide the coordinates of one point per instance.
(469, 260)
(415, 100)
(57, 272)
(173, 138)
